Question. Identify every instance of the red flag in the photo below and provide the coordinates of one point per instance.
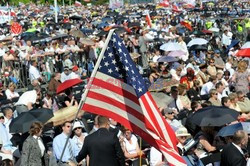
(148, 19)
(164, 3)
(78, 4)
(175, 8)
(118, 91)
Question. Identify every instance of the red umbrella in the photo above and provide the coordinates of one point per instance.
(68, 84)
(243, 52)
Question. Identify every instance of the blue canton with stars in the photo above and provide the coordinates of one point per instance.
(117, 63)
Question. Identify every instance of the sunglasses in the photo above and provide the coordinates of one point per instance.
(171, 113)
(78, 128)
(1, 117)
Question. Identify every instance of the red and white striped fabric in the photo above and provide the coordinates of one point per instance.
(128, 101)
(148, 19)
(78, 4)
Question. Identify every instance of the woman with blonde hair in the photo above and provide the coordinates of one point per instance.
(242, 78)
(10, 92)
(183, 101)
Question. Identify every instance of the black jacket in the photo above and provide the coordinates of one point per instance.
(103, 148)
(231, 156)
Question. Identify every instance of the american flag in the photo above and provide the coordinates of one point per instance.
(118, 91)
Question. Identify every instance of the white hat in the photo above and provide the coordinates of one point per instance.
(1, 114)
(78, 124)
(182, 131)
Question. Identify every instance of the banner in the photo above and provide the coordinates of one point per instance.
(114, 4)
(6, 15)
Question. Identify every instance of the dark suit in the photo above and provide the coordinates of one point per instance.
(231, 156)
(103, 148)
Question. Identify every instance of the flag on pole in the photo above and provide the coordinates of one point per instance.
(118, 91)
(148, 19)
(78, 4)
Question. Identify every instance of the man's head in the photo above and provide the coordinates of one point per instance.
(195, 106)
(103, 122)
(8, 113)
(240, 138)
(241, 96)
(219, 87)
(66, 127)
(225, 101)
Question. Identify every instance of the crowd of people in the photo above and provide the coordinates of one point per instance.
(182, 81)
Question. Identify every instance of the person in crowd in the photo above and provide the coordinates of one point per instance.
(202, 74)
(233, 100)
(34, 73)
(48, 100)
(59, 142)
(69, 99)
(242, 77)
(218, 61)
(192, 128)
(33, 151)
(211, 69)
(95, 127)
(232, 154)
(214, 98)
(54, 82)
(8, 117)
(130, 147)
(27, 99)
(225, 101)
(205, 89)
(10, 92)
(183, 101)
(169, 115)
(189, 78)
(219, 86)
(182, 135)
(34, 83)
(66, 74)
(190, 156)
(102, 146)
(206, 137)
(194, 93)
(243, 102)
(79, 137)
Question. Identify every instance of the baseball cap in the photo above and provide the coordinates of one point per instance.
(217, 51)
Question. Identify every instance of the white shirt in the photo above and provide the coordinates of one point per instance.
(34, 73)
(40, 143)
(65, 77)
(10, 94)
(131, 147)
(27, 97)
(155, 157)
(206, 88)
(156, 57)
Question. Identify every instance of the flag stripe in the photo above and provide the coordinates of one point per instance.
(129, 122)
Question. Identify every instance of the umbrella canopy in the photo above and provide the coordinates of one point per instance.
(198, 48)
(214, 116)
(198, 33)
(64, 114)
(68, 84)
(246, 45)
(197, 41)
(161, 84)
(179, 54)
(233, 43)
(167, 59)
(243, 53)
(87, 41)
(170, 46)
(60, 36)
(214, 29)
(77, 33)
(231, 129)
(22, 123)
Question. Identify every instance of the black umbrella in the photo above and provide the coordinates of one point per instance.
(214, 116)
(76, 17)
(198, 48)
(22, 123)
(60, 36)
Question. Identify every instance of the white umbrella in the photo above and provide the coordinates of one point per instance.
(197, 41)
(170, 46)
(214, 29)
(246, 45)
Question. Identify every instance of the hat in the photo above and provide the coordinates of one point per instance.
(75, 68)
(203, 66)
(167, 110)
(182, 131)
(78, 124)
(1, 114)
(189, 144)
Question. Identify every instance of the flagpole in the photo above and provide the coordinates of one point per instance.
(55, 4)
(83, 99)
